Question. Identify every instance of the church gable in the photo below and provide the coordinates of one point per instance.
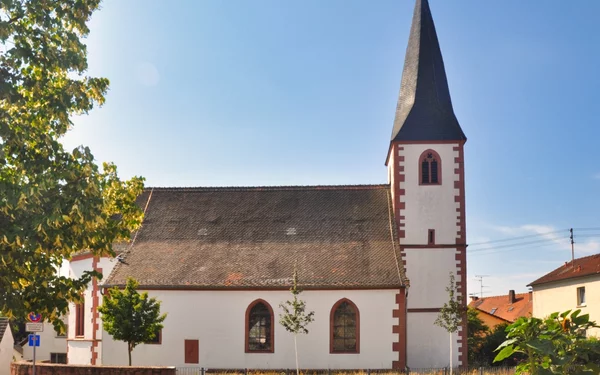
(212, 238)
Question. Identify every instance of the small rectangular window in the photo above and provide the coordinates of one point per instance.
(431, 237)
(581, 296)
(192, 351)
(58, 358)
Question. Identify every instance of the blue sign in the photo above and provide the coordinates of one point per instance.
(34, 340)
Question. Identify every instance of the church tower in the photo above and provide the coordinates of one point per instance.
(426, 172)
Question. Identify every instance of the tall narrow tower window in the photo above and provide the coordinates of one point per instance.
(430, 166)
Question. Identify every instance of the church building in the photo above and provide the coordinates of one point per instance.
(373, 260)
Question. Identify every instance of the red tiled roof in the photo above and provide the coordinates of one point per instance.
(500, 306)
(585, 266)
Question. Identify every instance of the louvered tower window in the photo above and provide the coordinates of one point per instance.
(430, 167)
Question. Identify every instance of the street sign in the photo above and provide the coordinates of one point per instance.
(34, 318)
(34, 327)
(34, 340)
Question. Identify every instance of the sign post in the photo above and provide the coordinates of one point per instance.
(36, 325)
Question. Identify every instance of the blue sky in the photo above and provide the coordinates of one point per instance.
(218, 93)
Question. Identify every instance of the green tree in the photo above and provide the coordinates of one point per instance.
(552, 346)
(477, 332)
(130, 316)
(451, 314)
(294, 318)
(53, 202)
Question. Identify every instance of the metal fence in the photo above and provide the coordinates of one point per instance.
(409, 371)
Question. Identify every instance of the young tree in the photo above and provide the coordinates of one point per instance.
(130, 316)
(53, 202)
(552, 346)
(295, 319)
(451, 314)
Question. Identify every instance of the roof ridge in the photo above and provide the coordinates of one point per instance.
(271, 188)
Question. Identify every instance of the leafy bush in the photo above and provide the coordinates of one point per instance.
(555, 345)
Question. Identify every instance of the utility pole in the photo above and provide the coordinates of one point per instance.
(481, 286)
(572, 247)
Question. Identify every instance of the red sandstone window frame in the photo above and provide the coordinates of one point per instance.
(80, 319)
(271, 330)
(422, 158)
(332, 328)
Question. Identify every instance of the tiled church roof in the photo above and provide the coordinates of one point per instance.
(424, 111)
(340, 236)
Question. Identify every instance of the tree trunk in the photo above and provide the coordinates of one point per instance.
(451, 353)
(296, 350)
(129, 350)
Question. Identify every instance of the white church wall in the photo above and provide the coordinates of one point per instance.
(217, 320)
(428, 271)
(430, 206)
(80, 352)
(75, 353)
(428, 344)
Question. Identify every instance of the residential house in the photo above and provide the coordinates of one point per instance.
(53, 347)
(574, 285)
(495, 310)
(221, 259)
(6, 346)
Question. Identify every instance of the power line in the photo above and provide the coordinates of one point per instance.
(520, 237)
(517, 244)
(482, 252)
(585, 229)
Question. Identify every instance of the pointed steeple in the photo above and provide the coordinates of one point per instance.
(424, 111)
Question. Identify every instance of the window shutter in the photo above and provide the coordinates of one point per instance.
(192, 351)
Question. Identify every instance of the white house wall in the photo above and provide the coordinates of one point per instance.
(217, 320)
(560, 296)
(6, 351)
(49, 343)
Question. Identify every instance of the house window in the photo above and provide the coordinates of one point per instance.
(58, 358)
(581, 296)
(80, 319)
(192, 351)
(157, 340)
(259, 328)
(430, 167)
(431, 237)
(344, 327)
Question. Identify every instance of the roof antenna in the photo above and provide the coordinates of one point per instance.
(481, 286)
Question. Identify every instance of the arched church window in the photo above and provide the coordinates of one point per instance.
(259, 328)
(430, 166)
(345, 324)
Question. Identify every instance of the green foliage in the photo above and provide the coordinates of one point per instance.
(130, 316)
(452, 313)
(53, 202)
(477, 332)
(555, 345)
(295, 319)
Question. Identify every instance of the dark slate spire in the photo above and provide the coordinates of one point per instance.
(424, 111)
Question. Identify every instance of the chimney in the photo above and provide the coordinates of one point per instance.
(511, 296)
(530, 295)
